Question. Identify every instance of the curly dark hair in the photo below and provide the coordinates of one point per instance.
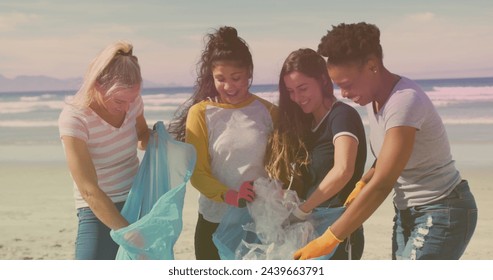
(222, 46)
(347, 43)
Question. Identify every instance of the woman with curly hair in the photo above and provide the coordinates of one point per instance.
(229, 128)
(435, 211)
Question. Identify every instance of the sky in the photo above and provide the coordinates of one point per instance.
(420, 39)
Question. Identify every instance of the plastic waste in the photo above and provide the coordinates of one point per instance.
(260, 231)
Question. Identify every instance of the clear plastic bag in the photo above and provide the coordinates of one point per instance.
(260, 231)
(155, 203)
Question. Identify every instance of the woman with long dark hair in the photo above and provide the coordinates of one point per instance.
(318, 140)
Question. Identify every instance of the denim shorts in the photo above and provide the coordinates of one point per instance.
(93, 237)
(440, 230)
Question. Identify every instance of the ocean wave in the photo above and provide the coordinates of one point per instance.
(478, 120)
(442, 95)
(151, 122)
(151, 108)
(162, 98)
(30, 98)
(24, 124)
(27, 106)
(50, 123)
(37, 98)
(453, 121)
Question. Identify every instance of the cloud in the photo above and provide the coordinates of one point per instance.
(58, 38)
(11, 21)
(438, 45)
(422, 17)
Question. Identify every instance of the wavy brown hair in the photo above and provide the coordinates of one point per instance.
(288, 153)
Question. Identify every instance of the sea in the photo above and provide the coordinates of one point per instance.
(29, 132)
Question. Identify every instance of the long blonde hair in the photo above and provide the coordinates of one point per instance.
(113, 68)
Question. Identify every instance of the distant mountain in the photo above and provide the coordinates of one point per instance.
(42, 83)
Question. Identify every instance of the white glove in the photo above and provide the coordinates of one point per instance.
(297, 216)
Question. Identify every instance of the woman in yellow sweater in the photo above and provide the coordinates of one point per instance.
(229, 128)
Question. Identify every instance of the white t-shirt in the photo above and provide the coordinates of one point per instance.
(430, 173)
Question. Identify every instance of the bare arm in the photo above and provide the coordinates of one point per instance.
(369, 174)
(142, 132)
(84, 174)
(396, 151)
(346, 149)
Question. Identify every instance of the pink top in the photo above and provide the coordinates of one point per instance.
(113, 150)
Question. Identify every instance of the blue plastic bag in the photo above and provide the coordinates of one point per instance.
(260, 232)
(230, 232)
(155, 203)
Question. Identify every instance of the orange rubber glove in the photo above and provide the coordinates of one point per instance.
(318, 247)
(357, 189)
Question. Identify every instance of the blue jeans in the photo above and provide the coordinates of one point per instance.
(436, 231)
(93, 237)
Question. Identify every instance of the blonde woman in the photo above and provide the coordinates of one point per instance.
(100, 131)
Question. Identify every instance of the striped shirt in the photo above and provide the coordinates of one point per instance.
(113, 150)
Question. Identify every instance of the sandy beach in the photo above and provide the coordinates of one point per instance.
(38, 218)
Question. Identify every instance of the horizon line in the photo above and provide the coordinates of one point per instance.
(159, 86)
